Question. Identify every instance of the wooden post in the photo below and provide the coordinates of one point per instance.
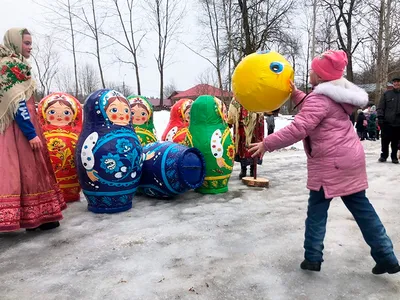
(254, 181)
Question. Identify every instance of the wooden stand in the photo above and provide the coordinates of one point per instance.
(254, 181)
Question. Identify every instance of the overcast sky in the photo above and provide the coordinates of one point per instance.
(183, 72)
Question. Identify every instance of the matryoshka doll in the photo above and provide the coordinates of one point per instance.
(108, 154)
(142, 119)
(60, 115)
(171, 169)
(209, 132)
(178, 122)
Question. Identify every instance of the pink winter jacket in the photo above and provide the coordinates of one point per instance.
(335, 156)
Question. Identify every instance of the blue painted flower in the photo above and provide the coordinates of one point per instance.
(111, 163)
(123, 146)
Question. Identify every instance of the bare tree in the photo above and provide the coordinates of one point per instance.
(166, 16)
(386, 42)
(62, 19)
(131, 38)
(64, 81)
(207, 77)
(326, 33)
(46, 60)
(169, 89)
(94, 24)
(123, 88)
(212, 13)
(347, 15)
(88, 80)
(228, 50)
(262, 22)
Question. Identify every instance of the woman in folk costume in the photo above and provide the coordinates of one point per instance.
(29, 195)
(248, 128)
(178, 122)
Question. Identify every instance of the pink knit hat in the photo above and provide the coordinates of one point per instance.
(330, 65)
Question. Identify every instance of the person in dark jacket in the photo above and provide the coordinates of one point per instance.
(372, 124)
(388, 113)
(361, 126)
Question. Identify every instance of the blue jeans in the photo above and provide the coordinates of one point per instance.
(373, 231)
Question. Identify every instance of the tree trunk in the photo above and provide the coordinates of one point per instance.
(137, 74)
(73, 49)
(161, 87)
(314, 23)
(386, 52)
(96, 35)
(134, 46)
(349, 68)
(246, 27)
(379, 69)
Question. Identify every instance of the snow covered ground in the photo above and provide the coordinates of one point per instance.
(245, 244)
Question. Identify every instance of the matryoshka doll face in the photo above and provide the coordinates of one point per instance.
(59, 114)
(187, 113)
(140, 114)
(117, 111)
(221, 108)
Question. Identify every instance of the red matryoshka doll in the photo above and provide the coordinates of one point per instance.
(60, 115)
(178, 122)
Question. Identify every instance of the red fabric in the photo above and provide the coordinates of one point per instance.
(177, 122)
(29, 193)
(258, 135)
(61, 142)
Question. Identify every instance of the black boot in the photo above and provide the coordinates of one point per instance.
(382, 269)
(310, 266)
(45, 226)
(243, 172)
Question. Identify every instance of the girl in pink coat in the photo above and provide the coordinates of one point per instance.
(335, 160)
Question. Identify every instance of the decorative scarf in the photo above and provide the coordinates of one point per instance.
(16, 83)
(249, 121)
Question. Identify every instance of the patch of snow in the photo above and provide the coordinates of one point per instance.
(244, 244)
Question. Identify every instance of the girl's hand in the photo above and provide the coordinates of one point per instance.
(293, 87)
(36, 143)
(258, 149)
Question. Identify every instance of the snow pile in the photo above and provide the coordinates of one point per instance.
(244, 244)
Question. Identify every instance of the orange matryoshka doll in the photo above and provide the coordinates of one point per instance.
(60, 115)
(178, 122)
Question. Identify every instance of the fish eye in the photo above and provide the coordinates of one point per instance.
(263, 51)
(276, 67)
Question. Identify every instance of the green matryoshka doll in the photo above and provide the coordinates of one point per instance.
(142, 119)
(209, 132)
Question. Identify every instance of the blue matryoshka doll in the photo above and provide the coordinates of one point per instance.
(109, 156)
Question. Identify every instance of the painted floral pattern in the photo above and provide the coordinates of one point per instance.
(111, 163)
(123, 146)
(12, 73)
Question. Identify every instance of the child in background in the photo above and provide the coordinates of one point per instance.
(335, 160)
(361, 125)
(371, 127)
